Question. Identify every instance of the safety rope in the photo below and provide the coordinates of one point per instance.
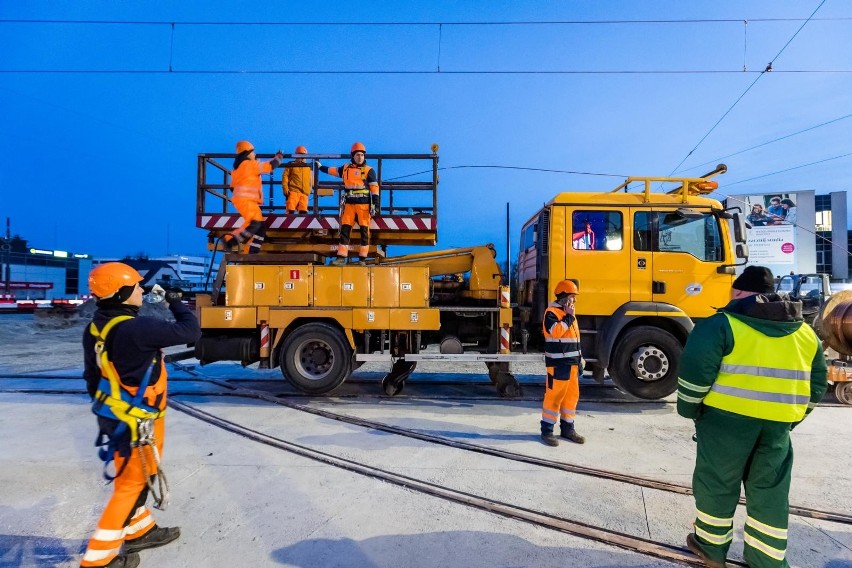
(160, 490)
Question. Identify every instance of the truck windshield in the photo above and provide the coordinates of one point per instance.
(662, 231)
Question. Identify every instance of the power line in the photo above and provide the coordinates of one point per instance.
(789, 169)
(172, 71)
(427, 23)
(717, 160)
(766, 70)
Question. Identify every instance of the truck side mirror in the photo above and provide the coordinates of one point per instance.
(742, 250)
(740, 231)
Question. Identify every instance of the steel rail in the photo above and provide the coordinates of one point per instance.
(574, 527)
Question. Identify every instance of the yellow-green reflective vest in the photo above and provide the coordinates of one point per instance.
(766, 377)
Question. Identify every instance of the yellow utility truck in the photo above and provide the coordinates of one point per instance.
(647, 264)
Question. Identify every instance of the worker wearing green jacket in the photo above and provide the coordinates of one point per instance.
(749, 374)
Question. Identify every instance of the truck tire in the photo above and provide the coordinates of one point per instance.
(645, 362)
(316, 358)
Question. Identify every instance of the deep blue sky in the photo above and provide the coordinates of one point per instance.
(104, 163)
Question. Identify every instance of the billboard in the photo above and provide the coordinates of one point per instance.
(781, 230)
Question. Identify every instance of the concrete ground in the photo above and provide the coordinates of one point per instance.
(240, 503)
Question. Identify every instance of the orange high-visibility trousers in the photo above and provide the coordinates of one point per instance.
(250, 211)
(561, 395)
(125, 515)
(297, 201)
(351, 212)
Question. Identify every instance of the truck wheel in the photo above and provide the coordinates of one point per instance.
(645, 362)
(843, 392)
(315, 358)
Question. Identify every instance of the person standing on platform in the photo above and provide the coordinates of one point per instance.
(247, 185)
(297, 181)
(360, 201)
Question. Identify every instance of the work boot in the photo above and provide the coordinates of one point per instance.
(158, 536)
(230, 243)
(124, 561)
(549, 439)
(362, 263)
(339, 261)
(695, 547)
(568, 432)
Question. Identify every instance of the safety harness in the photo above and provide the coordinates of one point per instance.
(134, 415)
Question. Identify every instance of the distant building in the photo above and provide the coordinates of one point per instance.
(192, 269)
(833, 239)
(180, 271)
(42, 274)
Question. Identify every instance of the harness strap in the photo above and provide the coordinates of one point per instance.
(129, 414)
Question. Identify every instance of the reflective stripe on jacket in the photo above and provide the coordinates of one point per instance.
(561, 339)
(246, 182)
(765, 377)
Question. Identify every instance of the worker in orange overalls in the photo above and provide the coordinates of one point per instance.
(297, 181)
(360, 201)
(248, 196)
(564, 364)
(126, 378)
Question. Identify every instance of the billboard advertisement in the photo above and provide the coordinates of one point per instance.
(781, 230)
(771, 238)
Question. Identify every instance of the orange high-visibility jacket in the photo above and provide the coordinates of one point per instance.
(356, 181)
(297, 177)
(246, 182)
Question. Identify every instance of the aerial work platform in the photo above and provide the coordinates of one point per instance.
(408, 204)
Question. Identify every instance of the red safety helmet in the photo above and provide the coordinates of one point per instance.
(357, 147)
(566, 287)
(244, 146)
(301, 150)
(105, 279)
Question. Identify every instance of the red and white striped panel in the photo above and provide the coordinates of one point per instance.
(304, 222)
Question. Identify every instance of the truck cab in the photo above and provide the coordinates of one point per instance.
(813, 290)
(647, 265)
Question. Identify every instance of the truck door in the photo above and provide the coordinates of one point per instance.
(596, 255)
(642, 241)
(689, 250)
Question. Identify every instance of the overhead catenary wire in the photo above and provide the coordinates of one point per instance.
(437, 70)
(761, 74)
(762, 144)
(423, 23)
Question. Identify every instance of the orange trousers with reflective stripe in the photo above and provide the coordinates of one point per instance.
(125, 518)
(561, 395)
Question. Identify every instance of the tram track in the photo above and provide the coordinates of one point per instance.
(641, 545)
(243, 392)
(604, 535)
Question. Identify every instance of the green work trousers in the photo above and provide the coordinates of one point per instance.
(734, 450)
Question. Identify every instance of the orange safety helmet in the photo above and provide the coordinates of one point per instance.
(244, 146)
(301, 150)
(105, 279)
(566, 287)
(357, 147)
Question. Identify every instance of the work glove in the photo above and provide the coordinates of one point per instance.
(173, 295)
(374, 204)
(318, 163)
